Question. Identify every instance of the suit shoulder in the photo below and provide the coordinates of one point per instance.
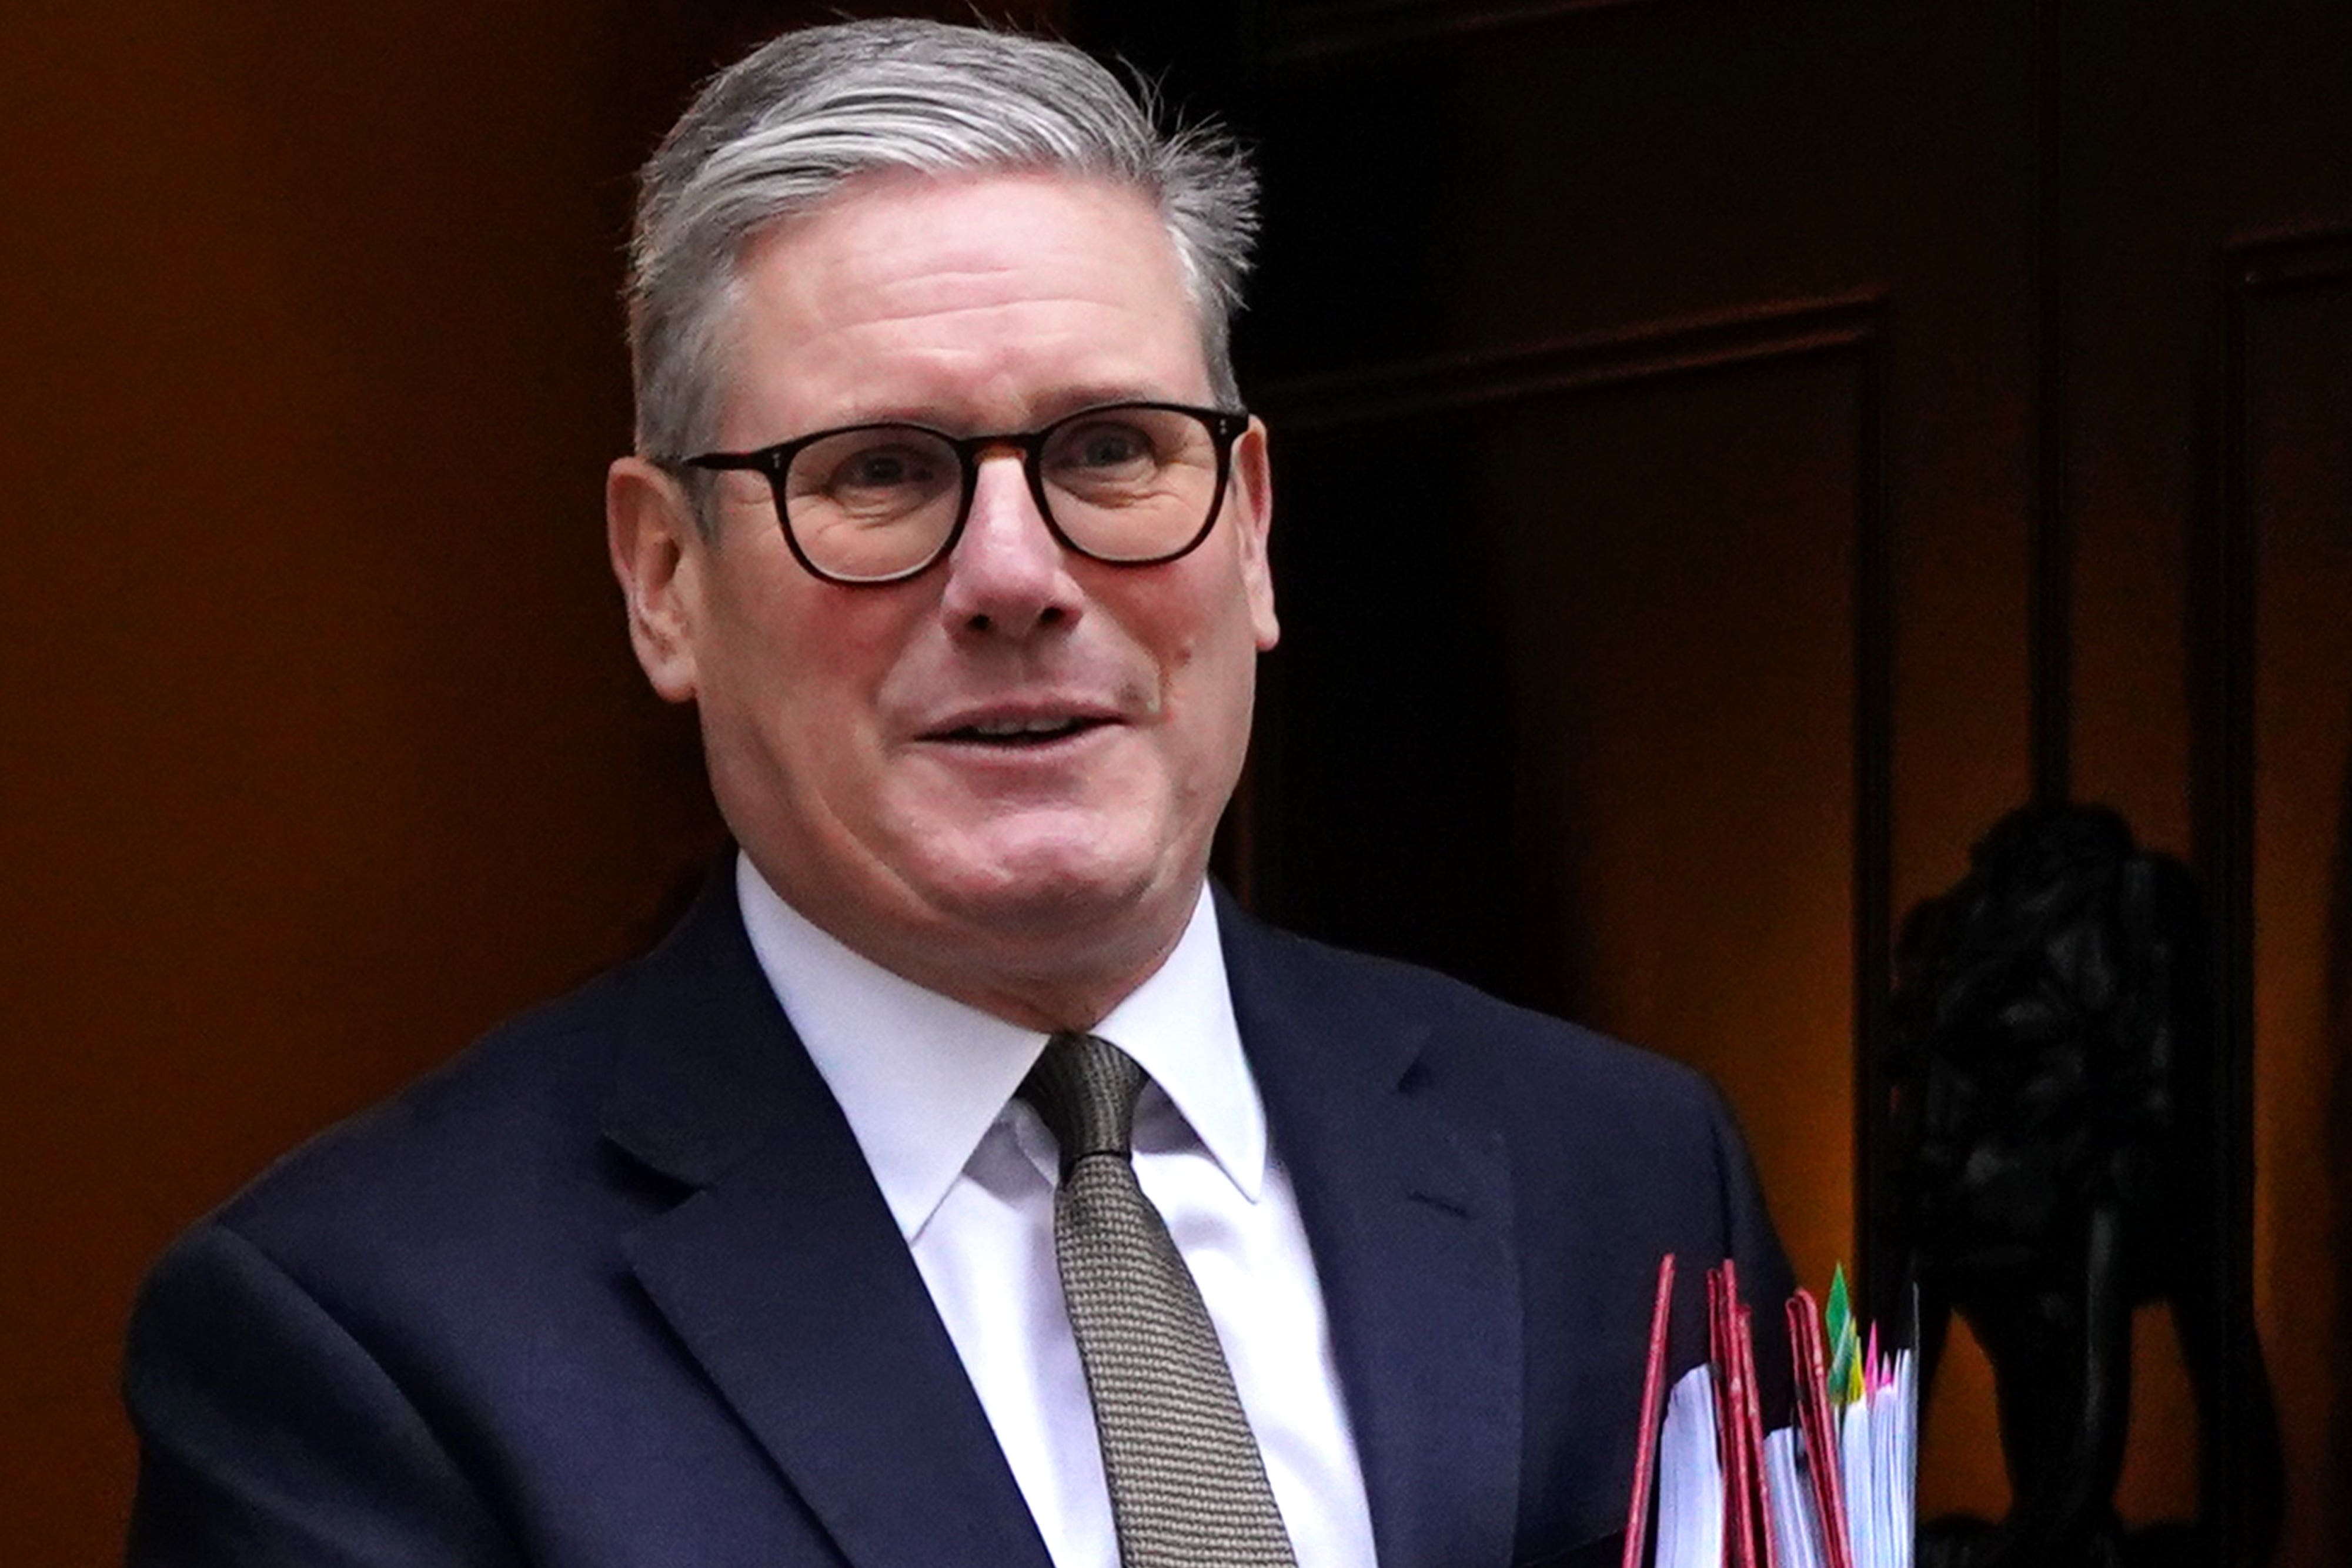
(462, 1151)
(1524, 1050)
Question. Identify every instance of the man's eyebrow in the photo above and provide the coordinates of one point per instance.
(1072, 400)
(1058, 404)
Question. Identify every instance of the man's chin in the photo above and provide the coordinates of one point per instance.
(1061, 887)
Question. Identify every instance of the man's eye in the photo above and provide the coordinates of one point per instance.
(884, 468)
(1112, 447)
(1106, 448)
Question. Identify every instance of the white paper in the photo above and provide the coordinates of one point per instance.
(1796, 1528)
(1862, 1516)
(1894, 1430)
(1690, 1477)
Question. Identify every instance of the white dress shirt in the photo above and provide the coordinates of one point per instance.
(926, 1084)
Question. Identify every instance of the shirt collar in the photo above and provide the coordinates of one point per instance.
(922, 1077)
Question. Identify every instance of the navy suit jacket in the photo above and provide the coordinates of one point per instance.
(616, 1286)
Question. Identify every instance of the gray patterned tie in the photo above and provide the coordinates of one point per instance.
(1187, 1487)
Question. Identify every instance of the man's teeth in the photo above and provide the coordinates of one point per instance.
(998, 729)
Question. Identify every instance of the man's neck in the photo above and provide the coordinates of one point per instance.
(1048, 974)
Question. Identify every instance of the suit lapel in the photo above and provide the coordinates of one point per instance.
(1410, 1220)
(785, 1275)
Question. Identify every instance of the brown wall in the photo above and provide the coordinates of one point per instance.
(322, 747)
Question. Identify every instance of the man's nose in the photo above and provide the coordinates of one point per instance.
(1008, 574)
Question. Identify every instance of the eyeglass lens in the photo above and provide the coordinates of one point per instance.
(1121, 484)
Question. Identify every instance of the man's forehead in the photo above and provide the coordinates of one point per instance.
(1027, 294)
(955, 226)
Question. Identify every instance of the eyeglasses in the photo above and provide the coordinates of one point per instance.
(1134, 484)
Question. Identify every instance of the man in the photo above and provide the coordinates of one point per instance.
(817, 1236)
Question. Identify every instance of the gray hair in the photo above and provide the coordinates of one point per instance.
(776, 133)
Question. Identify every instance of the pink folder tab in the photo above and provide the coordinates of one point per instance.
(1646, 1452)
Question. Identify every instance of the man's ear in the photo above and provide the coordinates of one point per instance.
(1252, 504)
(658, 557)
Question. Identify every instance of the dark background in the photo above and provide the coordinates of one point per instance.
(1728, 454)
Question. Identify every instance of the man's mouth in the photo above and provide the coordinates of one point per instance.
(1020, 732)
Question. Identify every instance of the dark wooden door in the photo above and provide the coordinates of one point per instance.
(1728, 454)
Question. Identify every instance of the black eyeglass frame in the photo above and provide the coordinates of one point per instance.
(1225, 427)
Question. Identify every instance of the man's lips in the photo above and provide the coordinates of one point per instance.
(1020, 727)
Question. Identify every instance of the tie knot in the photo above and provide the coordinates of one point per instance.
(1085, 1090)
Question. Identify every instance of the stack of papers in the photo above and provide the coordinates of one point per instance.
(1837, 1489)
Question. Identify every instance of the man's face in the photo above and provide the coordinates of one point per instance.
(853, 732)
